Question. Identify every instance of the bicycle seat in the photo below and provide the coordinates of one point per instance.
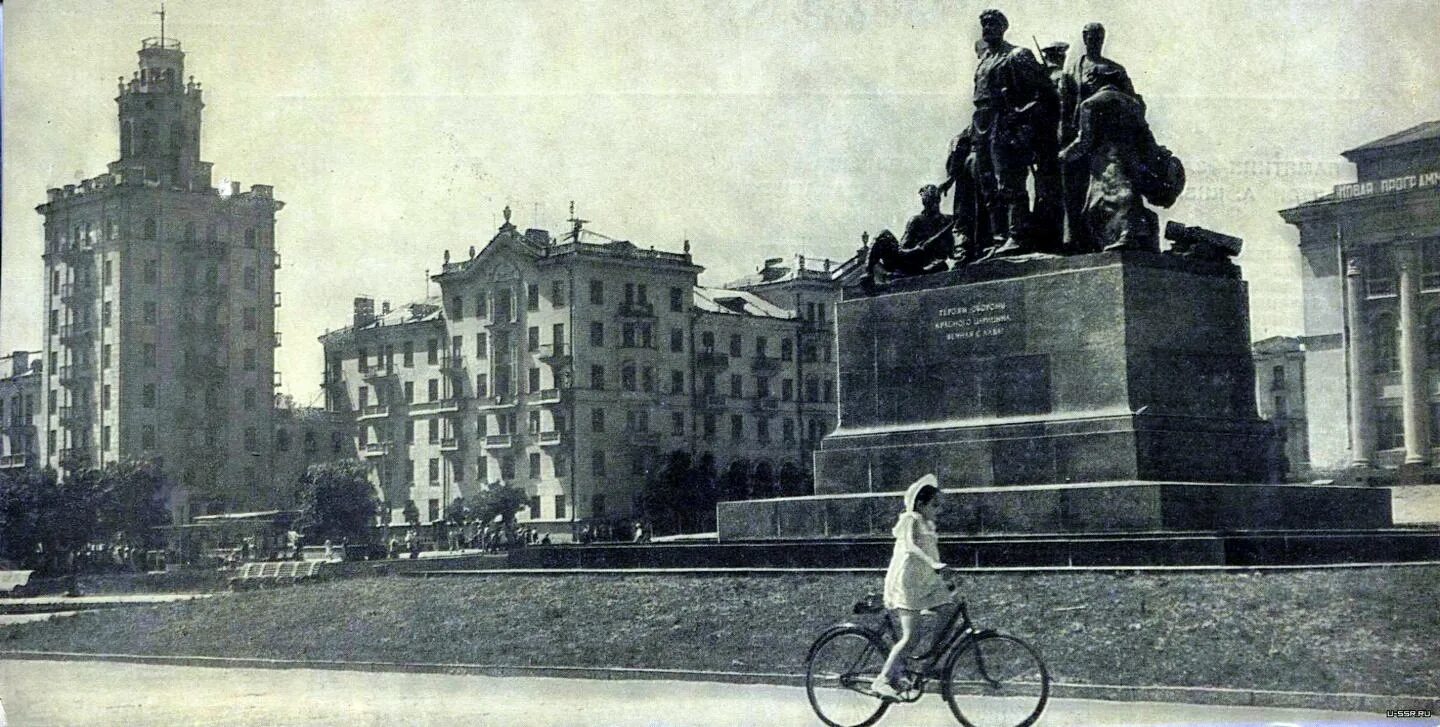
(871, 603)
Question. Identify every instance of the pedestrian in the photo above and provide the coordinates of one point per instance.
(913, 585)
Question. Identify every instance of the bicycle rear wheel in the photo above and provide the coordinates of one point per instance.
(997, 681)
(838, 673)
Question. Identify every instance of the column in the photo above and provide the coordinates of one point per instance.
(1412, 358)
(1362, 426)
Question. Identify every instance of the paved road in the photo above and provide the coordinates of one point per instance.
(85, 693)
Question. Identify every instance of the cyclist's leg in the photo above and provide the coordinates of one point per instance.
(895, 662)
(934, 628)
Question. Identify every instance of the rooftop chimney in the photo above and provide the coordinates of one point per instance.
(364, 311)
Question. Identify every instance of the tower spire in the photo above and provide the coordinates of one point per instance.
(161, 13)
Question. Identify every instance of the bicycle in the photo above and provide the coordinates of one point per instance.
(987, 677)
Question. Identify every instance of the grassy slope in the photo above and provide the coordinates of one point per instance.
(1367, 630)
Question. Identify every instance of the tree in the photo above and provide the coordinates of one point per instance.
(503, 502)
(665, 493)
(456, 513)
(132, 503)
(735, 484)
(336, 501)
(411, 513)
(20, 513)
(762, 484)
(704, 492)
(794, 480)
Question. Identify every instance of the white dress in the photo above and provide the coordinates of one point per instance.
(911, 581)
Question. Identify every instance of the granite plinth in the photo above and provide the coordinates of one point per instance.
(1113, 366)
(1110, 507)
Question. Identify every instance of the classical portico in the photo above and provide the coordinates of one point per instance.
(1373, 331)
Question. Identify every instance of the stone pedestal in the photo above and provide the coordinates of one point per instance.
(1103, 393)
(1104, 367)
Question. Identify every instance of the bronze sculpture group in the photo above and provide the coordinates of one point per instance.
(1076, 133)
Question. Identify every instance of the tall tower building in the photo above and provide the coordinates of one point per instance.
(160, 306)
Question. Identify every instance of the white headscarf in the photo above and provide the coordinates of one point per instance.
(915, 487)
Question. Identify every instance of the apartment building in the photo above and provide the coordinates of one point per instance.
(20, 376)
(571, 367)
(159, 306)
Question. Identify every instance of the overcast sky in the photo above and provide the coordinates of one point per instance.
(393, 131)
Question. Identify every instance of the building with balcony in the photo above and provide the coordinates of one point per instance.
(1370, 277)
(21, 377)
(572, 367)
(160, 306)
(1280, 399)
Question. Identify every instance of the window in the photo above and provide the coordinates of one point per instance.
(482, 309)
(762, 387)
(735, 345)
(559, 506)
(1389, 428)
(434, 476)
(677, 382)
(457, 307)
(152, 314)
(627, 335)
(647, 338)
(507, 467)
(597, 292)
(1386, 343)
(829, 390)
(248, 278)
(250, 237)
(737, 427)
(147, 396)
(248, 322)
(533, 422)
(248, 359)
(677, 340)
(597, 420)
(481, 342)
(677, 423)
(432, 390)
(105, 438)
(627, 376)
(149, 230)
(736, 385)
(762, 430)
(647, 379)
(432, 430)
(597, 463)
(147, 436)
(533, 379)
(535, 507)
(482, 468)
(105, 396)
(788, 430)
(557, 294)
(252, 439)
(787, 389)
(597, 333)
(432, 351)
(504, 310)
(761, 344)
(534, 465)
(148, 354)
(532, 339)
(409, 392)
(677, 299)
(707, 342)
(434, 506)
(481, 390)
(1380, 272)
(532, 297)
(597, 377)
(107, 276)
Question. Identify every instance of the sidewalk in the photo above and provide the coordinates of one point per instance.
(52, 692)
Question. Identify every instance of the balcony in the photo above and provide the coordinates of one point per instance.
(500, 441)
(73, 415)
(710, 401)
(554, 354)
(711, 360)
(637, 309)
(72, 457)
(765, 365)
(450, 444)
(552, 438)
(75, 332)
(374, 411)
(375, 449)
(76, 293)
(453, 363)
(14, 461)
(495, 401)
(642, 438)
(379, 375)
(547, 396)
(439, 406)
(767, 403)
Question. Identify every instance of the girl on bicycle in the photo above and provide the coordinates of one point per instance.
(912, 582)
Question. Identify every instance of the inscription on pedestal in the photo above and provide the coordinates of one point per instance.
(975, 322)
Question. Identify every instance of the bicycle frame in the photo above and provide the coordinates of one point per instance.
(948, 640)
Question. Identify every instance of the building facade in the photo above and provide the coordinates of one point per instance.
(160, 306)
(571, 367)
(21, 374)
(1280, 399)
(1371, 283)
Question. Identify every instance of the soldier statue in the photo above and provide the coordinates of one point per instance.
(1078, 83)
(1114, 143)
(927, 246)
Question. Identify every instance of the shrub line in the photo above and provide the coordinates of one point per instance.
(1351, 701)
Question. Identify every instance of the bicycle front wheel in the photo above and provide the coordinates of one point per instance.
(838, 673)
(997, 681)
